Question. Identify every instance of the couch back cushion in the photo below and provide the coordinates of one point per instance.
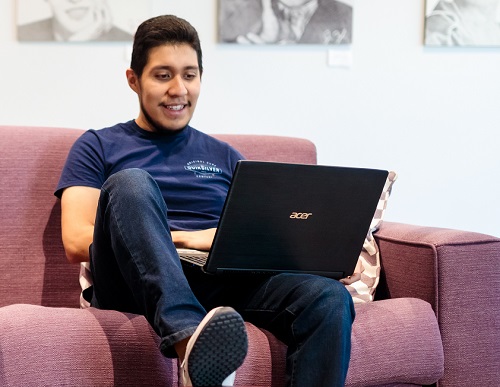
(272, 148)
(34, 269)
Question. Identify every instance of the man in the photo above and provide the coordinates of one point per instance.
(138, 178)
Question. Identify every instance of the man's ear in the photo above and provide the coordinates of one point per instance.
(133, 80)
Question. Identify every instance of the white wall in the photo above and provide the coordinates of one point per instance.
(430, 114)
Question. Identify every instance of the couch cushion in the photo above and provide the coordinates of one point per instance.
(43, 346)
(272, 148)
(92, 347)
(393, 342)
(34, 267)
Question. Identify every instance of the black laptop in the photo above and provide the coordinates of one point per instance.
(292, 218)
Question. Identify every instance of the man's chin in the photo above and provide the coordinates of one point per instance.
(162, 125)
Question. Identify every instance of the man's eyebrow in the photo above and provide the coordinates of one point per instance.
(171, 68)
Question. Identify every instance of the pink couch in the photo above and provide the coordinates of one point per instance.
(436, 317)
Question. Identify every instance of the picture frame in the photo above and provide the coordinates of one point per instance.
(462, 23)
(83, 21)
(285, 21)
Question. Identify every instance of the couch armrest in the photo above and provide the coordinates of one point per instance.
(458, 273)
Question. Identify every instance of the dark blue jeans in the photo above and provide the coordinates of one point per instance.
(136, 269)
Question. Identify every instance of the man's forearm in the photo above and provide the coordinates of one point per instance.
(198, 240)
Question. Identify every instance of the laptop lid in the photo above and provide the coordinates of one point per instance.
(295, 218)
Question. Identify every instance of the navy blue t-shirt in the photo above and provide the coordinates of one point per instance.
(192, 169)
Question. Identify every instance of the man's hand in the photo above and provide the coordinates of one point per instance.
(197, 240)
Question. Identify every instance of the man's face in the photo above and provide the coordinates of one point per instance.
(73, 15)
(168, 88)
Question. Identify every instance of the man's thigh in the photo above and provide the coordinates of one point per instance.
(271, 302)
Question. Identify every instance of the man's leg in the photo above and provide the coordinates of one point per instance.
(134, 262)
(313, 315)
(136, 269)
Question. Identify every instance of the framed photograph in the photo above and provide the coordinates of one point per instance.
(285, 21)
(79, 21)
(468, 23)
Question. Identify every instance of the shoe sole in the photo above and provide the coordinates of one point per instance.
(220, 348)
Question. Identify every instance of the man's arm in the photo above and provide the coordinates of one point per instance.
(78, 211)
(198, 240)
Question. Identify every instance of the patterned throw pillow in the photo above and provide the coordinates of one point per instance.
(363, 283)
(85, 283)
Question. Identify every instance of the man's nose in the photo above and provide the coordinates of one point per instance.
(177, 86)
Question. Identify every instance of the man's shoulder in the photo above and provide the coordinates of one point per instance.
(112, 131)
(101, 139)
(220, 147)
(210, 139)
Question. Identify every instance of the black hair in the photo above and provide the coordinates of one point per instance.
(161, 30)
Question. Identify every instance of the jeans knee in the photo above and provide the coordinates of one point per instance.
(133, 186)
(329, 294)
(129, 181)
(126, 177)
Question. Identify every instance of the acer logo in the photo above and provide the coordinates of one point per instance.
(300, 215)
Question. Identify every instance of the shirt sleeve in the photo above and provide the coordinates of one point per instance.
(84, 166)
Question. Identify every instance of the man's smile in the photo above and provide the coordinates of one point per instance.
(175, 107)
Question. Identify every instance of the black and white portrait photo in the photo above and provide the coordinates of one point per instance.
(285, 21)
(462, 23)
(79, 20)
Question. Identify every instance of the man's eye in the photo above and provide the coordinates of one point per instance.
(190, 76)
(163, 76)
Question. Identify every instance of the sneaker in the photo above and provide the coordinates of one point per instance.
(216, 350)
